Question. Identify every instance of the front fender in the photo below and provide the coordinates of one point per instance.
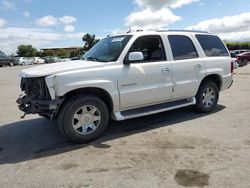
(62, 88)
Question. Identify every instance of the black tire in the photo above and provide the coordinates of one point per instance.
(11, 64)
(200, 106)
(245, 62)
(66, 118)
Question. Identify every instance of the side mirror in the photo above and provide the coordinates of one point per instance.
(135, 57)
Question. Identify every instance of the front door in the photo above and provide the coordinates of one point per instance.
(147, 82)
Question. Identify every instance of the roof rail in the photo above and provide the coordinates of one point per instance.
(173, 30)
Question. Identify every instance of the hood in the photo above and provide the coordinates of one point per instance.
(55, 68)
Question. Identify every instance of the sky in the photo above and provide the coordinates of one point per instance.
(62, 23)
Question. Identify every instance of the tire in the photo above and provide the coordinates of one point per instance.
(83, 118)
(245, 62)
(11, 64)
(207, 97)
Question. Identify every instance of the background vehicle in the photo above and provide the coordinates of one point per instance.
(38, 60)
(75, 58)
(128, 76)
(65, 59)
(243, 58)
(237, 52)
(7, 60)
(52, 59)
(25, 61)
(234, 60)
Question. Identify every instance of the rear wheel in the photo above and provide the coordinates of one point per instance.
(83, 118)
(207, 97)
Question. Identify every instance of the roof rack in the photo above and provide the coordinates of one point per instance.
(173, 30)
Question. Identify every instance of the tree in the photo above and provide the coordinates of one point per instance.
(75, 53)
(48, 53)
(62, 53)
(26, 51)
(39, 54)
(90, 41)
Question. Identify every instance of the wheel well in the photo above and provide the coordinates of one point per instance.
(101, 93)
(215, 78)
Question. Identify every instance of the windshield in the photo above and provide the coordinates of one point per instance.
(108, 49)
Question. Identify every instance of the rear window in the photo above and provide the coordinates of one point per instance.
(212, 45)
(182, 47)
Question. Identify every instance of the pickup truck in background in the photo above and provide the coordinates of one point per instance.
(7, 60)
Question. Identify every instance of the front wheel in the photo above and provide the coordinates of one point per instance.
(207, 97)
(83, 118)
(11, 64)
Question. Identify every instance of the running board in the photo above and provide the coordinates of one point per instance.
(139, 112)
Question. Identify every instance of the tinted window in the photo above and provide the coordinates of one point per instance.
(151, 48)
(212, 45)
(182, 47)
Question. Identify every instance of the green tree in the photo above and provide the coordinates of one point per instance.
(48, 53)
(75, 53)
(39, 54)
(90, 41)
(26, 51)
(62, 53)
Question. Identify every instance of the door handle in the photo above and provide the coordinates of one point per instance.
(166, 70)
(198, 66)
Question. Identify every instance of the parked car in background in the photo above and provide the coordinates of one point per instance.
(75, 58)
(237, 52)
(56, 59)
(65, 59)
(25, 61)
(38, 60)
(234, 60)
(47, 60)
(52, 59)
(7, 60)
(243, 59)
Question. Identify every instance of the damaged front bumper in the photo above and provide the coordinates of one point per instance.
(46, 108)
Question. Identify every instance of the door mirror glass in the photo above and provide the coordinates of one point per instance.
(135, 57)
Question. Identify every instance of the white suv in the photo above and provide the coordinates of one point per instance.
(128, 76)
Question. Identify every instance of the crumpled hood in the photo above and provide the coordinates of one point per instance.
(50, 69)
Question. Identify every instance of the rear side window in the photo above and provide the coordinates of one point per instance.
(212, 45)
(182, 47)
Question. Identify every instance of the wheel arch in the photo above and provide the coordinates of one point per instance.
(215, 78)
(98, 92)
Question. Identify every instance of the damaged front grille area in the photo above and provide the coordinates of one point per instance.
(36, 98)
(35, 88)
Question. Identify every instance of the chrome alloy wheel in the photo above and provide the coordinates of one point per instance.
(86, 119)
(208, 97)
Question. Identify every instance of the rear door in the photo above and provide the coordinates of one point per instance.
(188, 68)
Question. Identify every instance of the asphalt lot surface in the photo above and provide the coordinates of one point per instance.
(173, 149)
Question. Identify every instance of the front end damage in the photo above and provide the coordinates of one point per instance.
(36, 98)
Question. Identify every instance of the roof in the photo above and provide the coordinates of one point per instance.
(139, 32)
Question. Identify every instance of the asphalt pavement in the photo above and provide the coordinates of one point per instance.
(180, 148)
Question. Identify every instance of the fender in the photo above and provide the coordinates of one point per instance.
(62, 88)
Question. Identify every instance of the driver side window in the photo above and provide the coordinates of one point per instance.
(151, 48)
